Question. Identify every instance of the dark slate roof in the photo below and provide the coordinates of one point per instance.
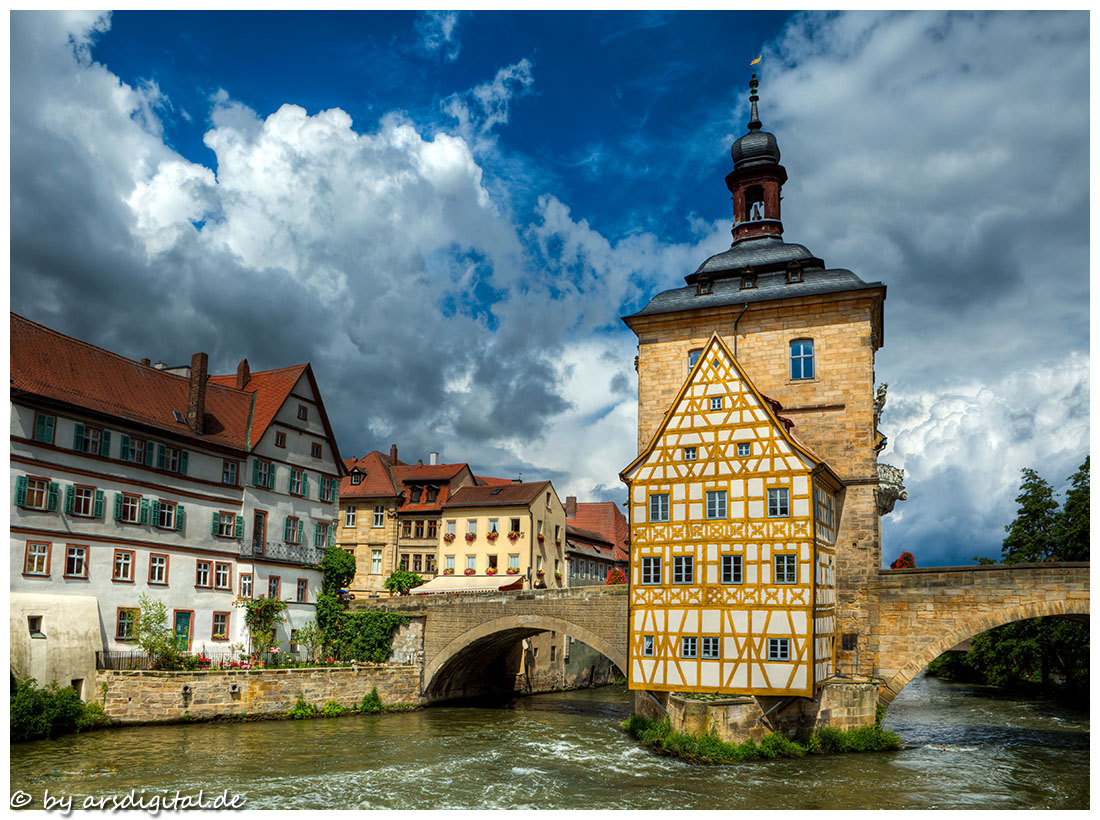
(760, 254)
(769, 286)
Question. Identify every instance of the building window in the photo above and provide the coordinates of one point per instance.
(802, 359)
(744, 448)
(280, 439)
(779, 649)
(376, 562)
(132, 449)
(356, 478)
(716, 503)
(273, 584)
(683, 569)
(91, 440)
(123, 567)
(225, 524)
(778, 502)
(229, 472)
(220, 629)
(689, 454)
(658, 507)
(292, 530)
(127, 620)
(172, 459)
(168, 515)
(731, 569)
(651, 570)
(295, 485)
(414, 494)
(379, 515)
(449, 563)
(303, 591)
(202, 573)
(471, 562)
(315, 450)
(710, 648)
(43, 427)
(786, 569)
(83, 501)
(158, 569)
(76, 561)
(647, 646)
(417, 563)
(246, 584)
(687, 646)
(349, 516)
(263, 474)
(715, 402)
(693, 357)
(222, 575)
(322, 535)
(36, 493)
(303, 412)
(259, 531)
(418, 529)
(433, 528)
(128, 508)
(37, 560)
(432, 494)
(471, 526)
(514, 526)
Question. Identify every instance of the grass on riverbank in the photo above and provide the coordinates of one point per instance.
(658, 735)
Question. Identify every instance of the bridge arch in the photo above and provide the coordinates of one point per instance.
(910, 664)
(492, 637)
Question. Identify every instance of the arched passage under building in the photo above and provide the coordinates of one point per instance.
(484, 660)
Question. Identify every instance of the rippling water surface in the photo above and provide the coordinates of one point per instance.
(966, 747)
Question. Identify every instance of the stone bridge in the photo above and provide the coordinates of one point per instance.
(918, 615)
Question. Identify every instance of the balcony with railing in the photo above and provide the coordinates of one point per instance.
(304, 554)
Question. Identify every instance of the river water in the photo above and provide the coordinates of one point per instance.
(966, 747)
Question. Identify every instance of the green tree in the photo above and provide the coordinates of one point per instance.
(155, 635)
(1071, 528)
(401, 581)
(1030, 536)
(262, 616)
(338, 567)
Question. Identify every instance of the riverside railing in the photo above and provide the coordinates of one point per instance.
(305, 554)
(137, 661)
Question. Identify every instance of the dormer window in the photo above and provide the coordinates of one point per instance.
(702, 286)
(356, 478)
(433, 493)
(414, 495)
(748, 281)
(794, 273)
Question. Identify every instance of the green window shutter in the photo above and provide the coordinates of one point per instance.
(330, 541)
(123, 447)
(118, 506)
(271, 476)
(289, 479)
(156, 512)
(43, 428)
(301, 532)
(215, 520)
(21, 491)
(183, 462)
(256, 473)
(78, 437)
(238, 532)
(105, 444)
(97, 508)
(305, 484)
(160, 456)
(149, 453)
(50, 422)
(69, 500)
(286, 529)
(179, 517)
(143, 514)
(51, 496)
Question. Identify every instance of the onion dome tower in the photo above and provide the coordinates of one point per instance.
(757, 179)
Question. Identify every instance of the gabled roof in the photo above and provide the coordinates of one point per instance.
(512, 494)
(59, 368)
(605, 519)
(427, 473)
(377, 477)
(271, 389)
(768, 406)
(492, 482)
(408, 476)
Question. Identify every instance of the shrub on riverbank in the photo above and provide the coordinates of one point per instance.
(658, 734)
(50, 711)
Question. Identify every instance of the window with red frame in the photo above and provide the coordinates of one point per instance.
(315, 450)
(124, 566)
(37, 560)
(303, 591)
(245, 584)
(158, 569)
(125, 628)
(273, 586)
(280, 439)
(76, 561)
(222, 575)
(220, 629)
(202, 573)
(303, 412)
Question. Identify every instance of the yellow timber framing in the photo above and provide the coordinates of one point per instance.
(742, 616)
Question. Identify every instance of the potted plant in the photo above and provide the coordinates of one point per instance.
(557, 542)
(469, 571)
(492, 536)
(557, 575)
(491, 571)
(514, 535)
(615, 576)
(904, 561)
(448, 537)
(542, 538)
(540, 572)
(449, 571)
(471, 537)
(513, 570)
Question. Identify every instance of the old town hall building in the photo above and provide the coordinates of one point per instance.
(756, 494)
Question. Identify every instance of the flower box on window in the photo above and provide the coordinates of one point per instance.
(542, 538)
(540, 572)
(491, 571)
(513, 570)
(471, 537)
(514, 535)
(557, 542)
(449, 571)
(492, 536)
(469, 571)
(448, 537)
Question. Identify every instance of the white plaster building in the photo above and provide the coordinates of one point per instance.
(130, 478)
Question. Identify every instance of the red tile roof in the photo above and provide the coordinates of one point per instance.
(439, 475)
(510, 495)
(428, 473)
(606, 519)
(492, 482)
(271, 387)
(377, 477)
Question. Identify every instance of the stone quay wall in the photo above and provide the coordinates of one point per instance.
(132, 697)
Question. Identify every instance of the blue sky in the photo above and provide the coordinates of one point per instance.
(447, 213)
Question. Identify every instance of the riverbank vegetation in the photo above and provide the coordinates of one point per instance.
(1046, 656)
(659, 735)
(50, 711)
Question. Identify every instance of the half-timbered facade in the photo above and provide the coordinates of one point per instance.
(733, 534)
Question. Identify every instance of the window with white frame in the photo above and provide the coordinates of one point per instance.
(687, 646)
(709, 647)
(222, 573)
(220, 629)
(83, 501)
(127, 621)
(124, 566)
(303, 591)
(658, 507)
(349, 516)
(778, 502)
(802, 359)
(166, 515)
(227, 524)
(683, 569)
(779, 649)
(229, 472)
(158, 569)
(76, 561)
(37, 493)
(471, 526)
(38, 559)
(202, 573)
(132, 450)
(295, 481)
(731, 569)
(513, 561)
(172, 460)
(379, 515)
(786, 569)
(647, 646)
(376, 562)
(651, 570)
(716, 504)
(273, 584)
(744, 448)
(356, 478)
(690, 454)
(280, 439)
(715, 402)
(471, 562)
(246, 584)
(129, 508)
(261, 473)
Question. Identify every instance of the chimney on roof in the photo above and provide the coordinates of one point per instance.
(393, 453)
(570, 506)
(420, 462)
(518, 480)
(243, 374)
(145, 362)
(160, 366)
(196, 395)
(433, 457)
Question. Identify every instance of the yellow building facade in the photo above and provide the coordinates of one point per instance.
(732, 545)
